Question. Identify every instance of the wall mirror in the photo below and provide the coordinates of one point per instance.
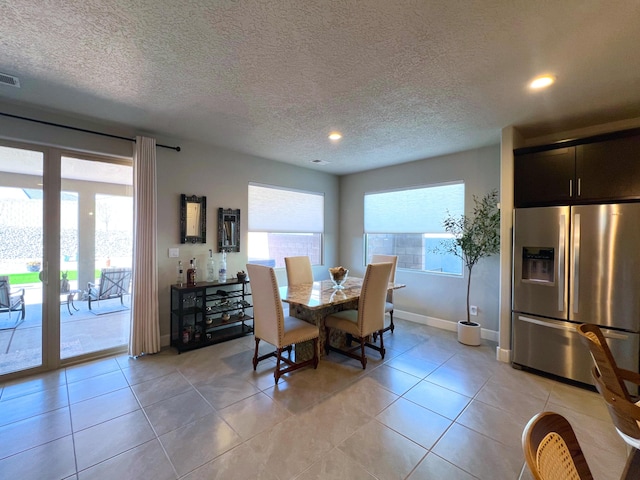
(193, 219)
(228, 230)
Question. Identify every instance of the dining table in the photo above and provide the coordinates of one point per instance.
(313, 302)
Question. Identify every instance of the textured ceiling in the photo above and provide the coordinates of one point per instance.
(402, 80)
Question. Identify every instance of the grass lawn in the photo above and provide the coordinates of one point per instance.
(33, 277)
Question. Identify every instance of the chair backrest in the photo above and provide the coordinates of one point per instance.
(4, 292)
(114, 282)
(64, 283)
(372, 298)
(393, 259)
(624, 413)
(551, 449)
(298, 270)
(610, 383)
(268, 315)
(592, 337)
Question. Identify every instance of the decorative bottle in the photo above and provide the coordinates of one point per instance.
(222, 272)
(211, 268)
(191, 273)
(180, 278)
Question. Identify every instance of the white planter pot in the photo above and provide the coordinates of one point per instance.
(469, 334)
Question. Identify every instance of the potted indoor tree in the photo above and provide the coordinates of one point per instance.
(474, 237)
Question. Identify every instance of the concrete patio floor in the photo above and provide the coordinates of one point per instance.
(84, 331)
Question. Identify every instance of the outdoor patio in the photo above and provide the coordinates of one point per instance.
(83, 331)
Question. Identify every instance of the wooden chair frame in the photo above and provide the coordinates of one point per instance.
(609, 380)
(546, 440)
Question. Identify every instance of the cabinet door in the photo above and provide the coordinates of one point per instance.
(608, 170)
(544, 178)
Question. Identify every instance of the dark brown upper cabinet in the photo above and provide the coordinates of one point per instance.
(544, 178)
(600, 169)
(609, 171)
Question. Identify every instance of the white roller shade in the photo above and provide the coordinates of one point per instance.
(415, 210)
(279, 210)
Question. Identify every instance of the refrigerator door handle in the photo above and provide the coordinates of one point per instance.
(576, 262)
(570, 327)
(561, 252)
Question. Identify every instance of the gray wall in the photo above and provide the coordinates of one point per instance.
(432, 296)
(198, 169)
(223, 177)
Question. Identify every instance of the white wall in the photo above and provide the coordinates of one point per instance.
(428, 296)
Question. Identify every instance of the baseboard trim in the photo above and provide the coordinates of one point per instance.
(503, 355)
(441, 323)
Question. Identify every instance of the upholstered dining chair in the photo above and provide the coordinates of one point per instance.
(272, 326)
(388, 306)
(551, 449)
(367, 319)
(11, 300)
(610, 380)
(298, 270)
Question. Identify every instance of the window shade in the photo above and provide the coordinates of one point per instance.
(279, 210)
(416, 210)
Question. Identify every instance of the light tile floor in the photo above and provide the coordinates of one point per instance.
(433, 409)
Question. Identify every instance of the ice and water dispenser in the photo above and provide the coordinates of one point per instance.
(538, 264)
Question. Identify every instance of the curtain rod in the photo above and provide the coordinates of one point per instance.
(177, 149)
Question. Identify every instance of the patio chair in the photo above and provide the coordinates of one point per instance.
(114, 283)
(11, 301)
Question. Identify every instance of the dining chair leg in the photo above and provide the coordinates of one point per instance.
(276, 373)
(382, 352)
(255, 355)
(391, 326)
(363, 360)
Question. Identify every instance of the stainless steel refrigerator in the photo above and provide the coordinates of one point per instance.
(575, 265)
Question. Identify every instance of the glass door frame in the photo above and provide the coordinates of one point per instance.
(50, 275)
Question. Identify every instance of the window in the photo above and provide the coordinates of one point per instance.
(284, 223)
(408, 223)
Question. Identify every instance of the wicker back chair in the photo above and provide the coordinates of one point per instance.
(610, 380)
(551, 449)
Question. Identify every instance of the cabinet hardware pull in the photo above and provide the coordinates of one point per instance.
(571, 188)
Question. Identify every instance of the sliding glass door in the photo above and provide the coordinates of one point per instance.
(95, 255)
(66, 222)
(21, 258)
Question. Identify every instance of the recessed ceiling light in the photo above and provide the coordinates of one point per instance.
(543, 81)
(335, 136)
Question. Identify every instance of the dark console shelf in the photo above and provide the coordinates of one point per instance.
(209, 312)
